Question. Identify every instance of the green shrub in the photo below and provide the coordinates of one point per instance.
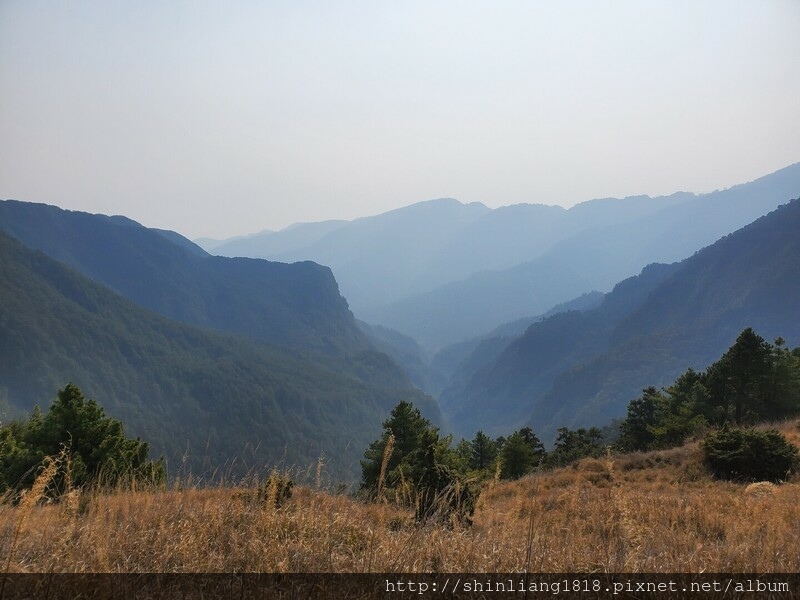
(416, 467)
(749, 455)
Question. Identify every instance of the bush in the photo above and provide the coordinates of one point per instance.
(749, 455)
(275, 490)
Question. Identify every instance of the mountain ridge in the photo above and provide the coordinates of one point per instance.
(296, 306)
(593, 260)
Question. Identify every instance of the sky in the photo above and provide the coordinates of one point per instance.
(220, 118)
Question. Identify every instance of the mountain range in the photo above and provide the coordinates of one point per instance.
(581, 368)
(442, 272)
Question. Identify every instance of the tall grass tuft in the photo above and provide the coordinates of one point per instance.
(387, 455)
(29, 499)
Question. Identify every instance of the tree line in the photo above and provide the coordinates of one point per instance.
(754, 381)
(414, 465)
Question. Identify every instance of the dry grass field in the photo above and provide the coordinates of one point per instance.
(654, 512)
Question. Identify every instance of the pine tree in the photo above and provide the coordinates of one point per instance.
(483, 452)
(97, 449)
(521, 453)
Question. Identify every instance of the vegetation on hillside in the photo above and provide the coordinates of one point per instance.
(414, 466)
(579, 369)
(296, 306)
(749, 454)
(647, 511)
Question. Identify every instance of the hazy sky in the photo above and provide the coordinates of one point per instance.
(224, 118)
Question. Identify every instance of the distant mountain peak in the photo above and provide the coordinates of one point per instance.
(426, 206)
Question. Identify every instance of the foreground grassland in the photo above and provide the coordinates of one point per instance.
(653, 512)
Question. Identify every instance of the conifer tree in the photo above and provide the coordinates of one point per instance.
(96, 447)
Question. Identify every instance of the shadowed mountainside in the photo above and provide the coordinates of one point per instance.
(295, 306)
(578, 369)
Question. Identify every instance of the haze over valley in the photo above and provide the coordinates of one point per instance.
(443, 272)
(557, 273)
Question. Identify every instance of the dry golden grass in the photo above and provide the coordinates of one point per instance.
(653, 512)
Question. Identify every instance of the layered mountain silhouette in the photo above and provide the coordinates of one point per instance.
(428, 244)
(443, 272)
(456, 364)
(582, 368)
(287, 374)
(594, 259)
(375, 259)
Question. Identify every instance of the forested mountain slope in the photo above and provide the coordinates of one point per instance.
(224, 402)
(296, 306)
